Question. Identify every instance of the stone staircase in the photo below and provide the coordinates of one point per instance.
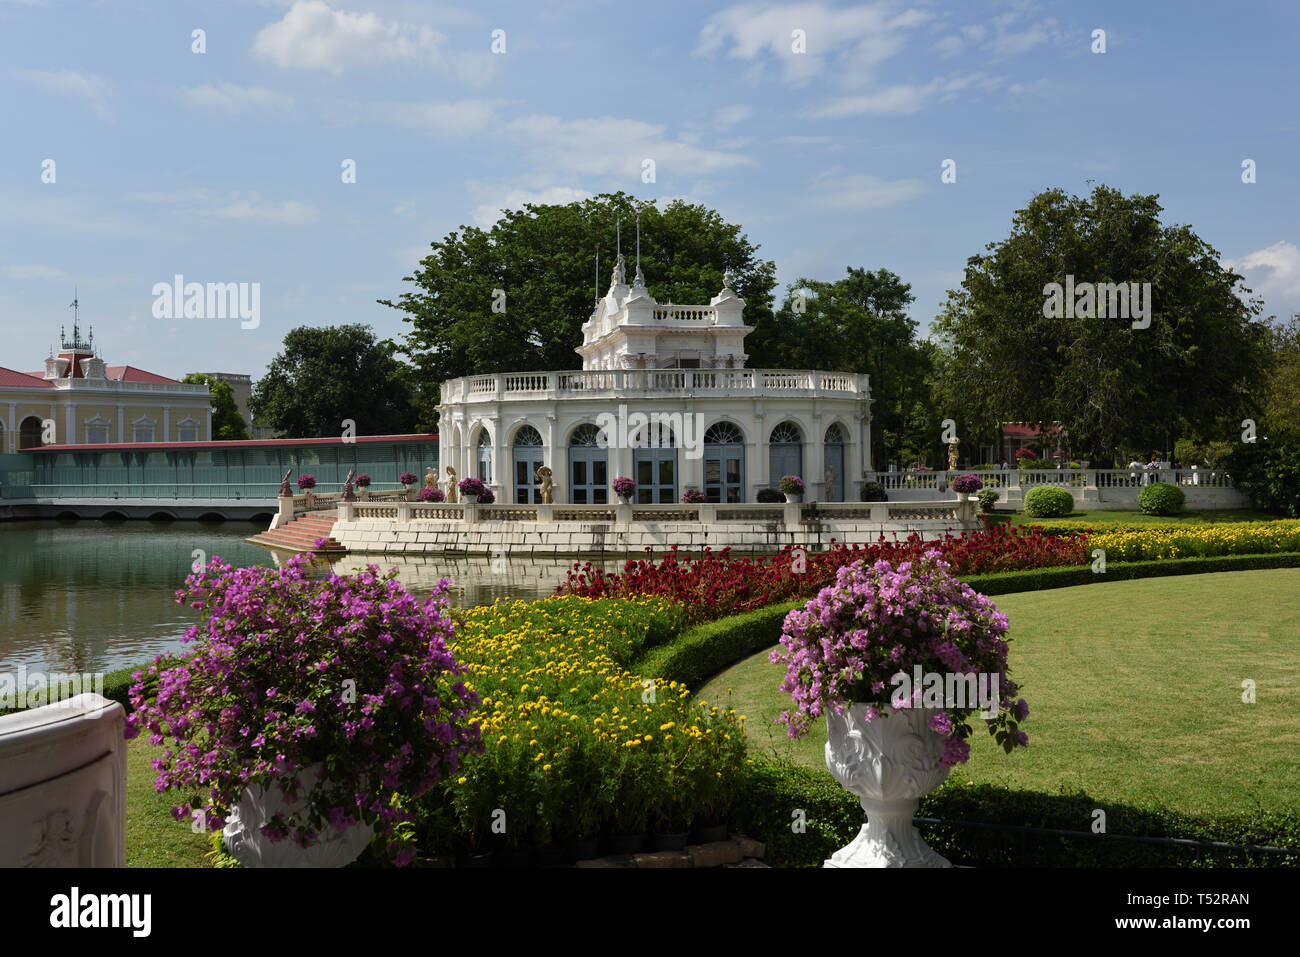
(301, 534)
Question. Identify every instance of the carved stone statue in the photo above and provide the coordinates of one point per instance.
(285, 491)
(348, 494)
(726, 278)
(544, 474)
(619, 278)
(453, 493)
(430, 478)
(954, 444)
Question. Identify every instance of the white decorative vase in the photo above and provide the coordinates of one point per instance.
(793, 498)
(889, 764)
(246, 843)
(469, 498)
(625, 500)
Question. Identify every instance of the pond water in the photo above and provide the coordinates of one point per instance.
(90, 596)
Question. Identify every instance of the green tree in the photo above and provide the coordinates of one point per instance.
(1281, 392)
(1112, 386)
(542, 260)
(227, 424)
(858, 323)
(327, 375)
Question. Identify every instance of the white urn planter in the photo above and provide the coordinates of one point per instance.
(793, 498)
(246, 843)
(470, 498)
(889, 764)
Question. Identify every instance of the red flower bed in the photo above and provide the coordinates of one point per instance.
(716, 584)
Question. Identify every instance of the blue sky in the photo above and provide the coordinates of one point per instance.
(225, 166)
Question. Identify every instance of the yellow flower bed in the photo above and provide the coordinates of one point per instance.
(1172, 540)
(574, 743)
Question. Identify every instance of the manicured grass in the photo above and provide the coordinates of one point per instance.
(1134, 690)
(153, 837)
(1098, 519)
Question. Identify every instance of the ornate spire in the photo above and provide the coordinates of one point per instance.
(726, 278)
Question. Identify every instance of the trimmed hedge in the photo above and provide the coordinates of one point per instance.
(1048, 501)
(1064, 576)
(1161, 498)
(776, 792)
(699, 653)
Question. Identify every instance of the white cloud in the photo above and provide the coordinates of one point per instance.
(37, 272)
(835, 190)
(731, 115)
(488, 213)
(904, 98)
(1272, 272)
(314, 36)
(94, 90)
(854, 41)
(232, 98)
(234, 205)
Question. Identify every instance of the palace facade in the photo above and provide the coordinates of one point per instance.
(79, 399)
(664, 398)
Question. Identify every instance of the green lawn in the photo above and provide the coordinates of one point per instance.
(153, 837)
(1096, 519)
(1134, 691)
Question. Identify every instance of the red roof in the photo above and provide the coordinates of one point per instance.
(1025, 430)
(24, 379)
(132, 374)
(237, 444)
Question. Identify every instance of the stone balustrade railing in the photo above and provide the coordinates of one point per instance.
(788, 514)
(1068, 478)
(722, 382)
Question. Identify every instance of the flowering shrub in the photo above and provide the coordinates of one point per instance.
(769, 495)
(407, 478)
(716, 584)
(349, 673)
(624, 486)
(471, 486)
(878, 620)
(967, 484)
(363, 480)
(306, 482)
(574, 743)
(792, 485)
(430, 494)
(1023, 454)
(693, 496)
(487, 496)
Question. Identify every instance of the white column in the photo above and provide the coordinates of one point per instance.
(121, 422)
(10, 441)
(167, 423)
(70, 418)
(209, 423)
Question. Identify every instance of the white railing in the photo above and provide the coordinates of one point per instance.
(116, 385)
(685, 314)
(1065, 478)
(546, 385)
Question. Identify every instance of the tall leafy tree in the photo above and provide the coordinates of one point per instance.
(1113, 387)
(227, 424)
(327, 375)
(537, 266)
(858, 323)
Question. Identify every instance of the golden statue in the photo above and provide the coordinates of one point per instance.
(453, 493)
(953, 445)
(544, 475)
(430, 479)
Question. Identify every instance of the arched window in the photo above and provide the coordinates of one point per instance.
(834, 459)
(724, 463)
(485, 457)
(588, 467)
(654, 462)
(528, 457)
(785, 452)
(29, 432)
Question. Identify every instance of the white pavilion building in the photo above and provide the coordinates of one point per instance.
(663, 398)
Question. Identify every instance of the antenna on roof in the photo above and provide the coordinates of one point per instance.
(75, 306)
(598, 275)
(618, 235)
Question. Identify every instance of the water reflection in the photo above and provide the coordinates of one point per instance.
(95, 596)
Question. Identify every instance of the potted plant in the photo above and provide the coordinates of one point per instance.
(624, 488)
(894, 680)
(874, 492)
(769, 496)
(407, 479)
(793, 487)
(430, 494)
(309, 715)
(471, 489)
(305, 484)
(487, 496)
(693, 496)
(966, 485)
(363, 483)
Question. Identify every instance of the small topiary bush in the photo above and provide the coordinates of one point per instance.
(1048, 501)
(874, 492)
(769, 495)
(1162, 498)
(987, 497)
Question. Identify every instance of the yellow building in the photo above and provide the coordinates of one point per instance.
(79, 399)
